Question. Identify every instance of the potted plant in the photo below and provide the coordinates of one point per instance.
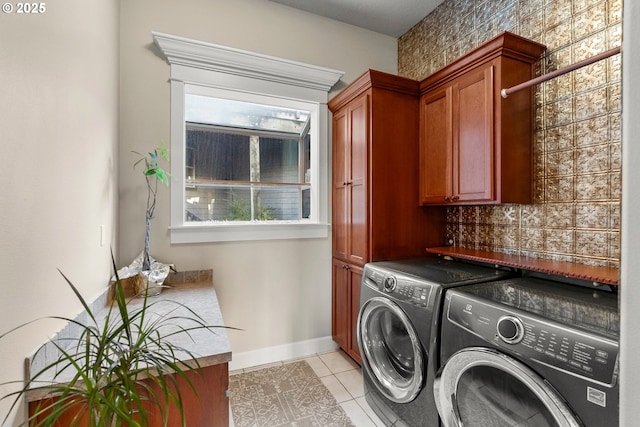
(116, 370)
(153, 174)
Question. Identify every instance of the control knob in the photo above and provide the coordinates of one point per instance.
(389, 284)
(510, 329)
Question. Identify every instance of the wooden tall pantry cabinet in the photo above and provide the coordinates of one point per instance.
(375, 170)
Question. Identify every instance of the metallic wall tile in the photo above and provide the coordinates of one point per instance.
(590, 21)
(560, 241)
(590, 46)
(616, 156)
(559, 163)
(593, 159)
(593, 187)
(592, 131)
(614, 8)
(532, 239)
(532, 216)
(591, 103)
(589, 77)
(592, 243)
(558, 88)
(557, 11)
(576, 148)
(593, 215)
(560, 215)
(531, 25)
(559, 35)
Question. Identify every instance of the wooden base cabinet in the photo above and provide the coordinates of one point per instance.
(208, 406)
(475, 146)
(376, 215)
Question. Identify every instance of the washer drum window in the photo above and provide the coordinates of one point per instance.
(390, 348)
(478, 387)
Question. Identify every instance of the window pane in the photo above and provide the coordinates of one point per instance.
(216, 155)
(244, 115)
(246, 203)
(246, 162)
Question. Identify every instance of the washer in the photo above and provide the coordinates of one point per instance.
(400, 303)
(528, 352)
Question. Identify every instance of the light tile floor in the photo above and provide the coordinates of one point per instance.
(343, 378)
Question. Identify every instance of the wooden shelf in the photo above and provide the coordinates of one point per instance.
(604, 275)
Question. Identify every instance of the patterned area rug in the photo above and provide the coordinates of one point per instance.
(286, 395)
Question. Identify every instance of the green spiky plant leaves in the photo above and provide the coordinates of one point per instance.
(118, 368)
(153, 173)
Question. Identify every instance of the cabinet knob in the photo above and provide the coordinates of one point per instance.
(455, 198)
(345, 267)
(447, 198)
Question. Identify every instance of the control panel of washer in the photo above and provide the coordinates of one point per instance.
(400, 287)
(533, 337)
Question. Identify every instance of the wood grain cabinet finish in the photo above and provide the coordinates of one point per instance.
(475, 146)
(375, 177)
(346, 304)
(204, 405)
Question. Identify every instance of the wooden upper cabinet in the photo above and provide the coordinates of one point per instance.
(475, 146)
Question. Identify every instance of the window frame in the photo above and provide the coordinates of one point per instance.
(209, 68)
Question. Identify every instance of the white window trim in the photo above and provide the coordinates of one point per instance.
(203, 64)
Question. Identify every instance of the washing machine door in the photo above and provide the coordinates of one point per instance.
(391, 350)
(479, 387)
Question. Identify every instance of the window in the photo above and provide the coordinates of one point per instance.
(249, 144)
(247, 161)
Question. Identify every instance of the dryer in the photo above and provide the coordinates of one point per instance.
(400, 303)
(528, 352)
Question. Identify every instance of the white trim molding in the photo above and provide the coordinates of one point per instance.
(281, 353)
(213, 57)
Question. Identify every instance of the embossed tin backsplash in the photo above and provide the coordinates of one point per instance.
(575, 215)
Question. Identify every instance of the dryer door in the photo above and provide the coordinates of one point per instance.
(479, 387)
(390, 349)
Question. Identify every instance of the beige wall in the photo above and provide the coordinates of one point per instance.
(575, 214)
(58, 142)
(278, 292)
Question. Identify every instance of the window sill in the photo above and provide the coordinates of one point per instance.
(242, 232)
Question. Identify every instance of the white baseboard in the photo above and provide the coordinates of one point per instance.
(281, 352)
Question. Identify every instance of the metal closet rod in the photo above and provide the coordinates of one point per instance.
(506, 92)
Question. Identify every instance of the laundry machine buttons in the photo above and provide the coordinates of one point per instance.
(510, 329)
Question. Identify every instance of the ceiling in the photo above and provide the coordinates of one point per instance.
(390, 17)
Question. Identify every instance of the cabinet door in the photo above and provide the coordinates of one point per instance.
(340, 210)
(473, 143)
(345, 306)
(204, 401)
(358, 242)
(435, 147)
(340, 304)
